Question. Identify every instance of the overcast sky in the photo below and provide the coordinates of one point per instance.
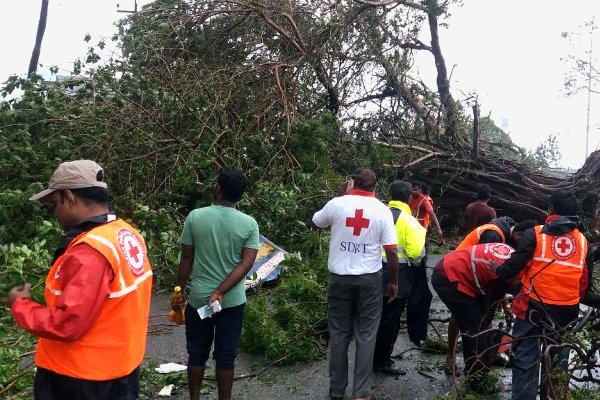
(507, 51)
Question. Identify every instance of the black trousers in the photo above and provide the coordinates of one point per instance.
(387, 333)
(414, 296)
(473, 316)
(49, 385)
(418, 304)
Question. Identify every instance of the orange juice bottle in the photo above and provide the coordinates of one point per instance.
(177, 303)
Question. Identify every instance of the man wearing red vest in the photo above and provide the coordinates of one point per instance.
(467, 284)
(92, 331)
(556, 268)
(500, 230)
(421, 207)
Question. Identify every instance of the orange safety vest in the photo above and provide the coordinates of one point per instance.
(473, 237)
(556, 268)
(115, 344)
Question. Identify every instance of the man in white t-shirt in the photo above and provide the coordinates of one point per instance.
(360, 226)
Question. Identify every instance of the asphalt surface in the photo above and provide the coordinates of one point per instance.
(425, 378)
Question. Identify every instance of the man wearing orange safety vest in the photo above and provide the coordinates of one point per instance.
(556, 267)
(92, 330)
(499, 230)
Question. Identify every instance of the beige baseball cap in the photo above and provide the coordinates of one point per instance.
(74, 175)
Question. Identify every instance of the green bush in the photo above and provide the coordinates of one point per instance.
(286, 323)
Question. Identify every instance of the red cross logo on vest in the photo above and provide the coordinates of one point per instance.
(357, 223)
(133, 250)
(563, 247)
(500, 250)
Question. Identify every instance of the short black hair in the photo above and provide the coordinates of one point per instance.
(400, 190)
(92, 194)
(524, 225)
(483, 191)
(564, 203)
(364, 179)
(233, 184)
(415, 183)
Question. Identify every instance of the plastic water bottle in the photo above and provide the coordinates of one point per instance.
(177, 303)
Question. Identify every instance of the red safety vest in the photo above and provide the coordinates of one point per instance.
(474, 267)
(473, 237)
(115, 344)
(553, 277)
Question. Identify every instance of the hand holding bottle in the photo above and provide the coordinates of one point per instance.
(177, 304)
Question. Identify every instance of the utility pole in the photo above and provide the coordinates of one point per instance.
(589, 88)
(589, 97)
(35, 55)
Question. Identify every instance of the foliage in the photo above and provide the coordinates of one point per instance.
(547, 154)
(21, 263)
(284, 323)
(16, 372)
(585, 394)
(583, 73)
(161, 229)
(435, 345)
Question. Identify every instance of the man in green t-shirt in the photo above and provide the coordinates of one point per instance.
(218, 248)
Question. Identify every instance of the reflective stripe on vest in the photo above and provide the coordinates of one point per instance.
(474, 261)
(473, 237)
(557, 265)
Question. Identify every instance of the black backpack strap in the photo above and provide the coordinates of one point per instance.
(395, 213)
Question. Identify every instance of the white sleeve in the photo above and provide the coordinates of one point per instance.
(322, 218)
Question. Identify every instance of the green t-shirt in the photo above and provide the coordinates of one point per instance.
(218, 235)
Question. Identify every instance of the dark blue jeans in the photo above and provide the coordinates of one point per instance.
(224, 328)
(49, 385)
(526, 361)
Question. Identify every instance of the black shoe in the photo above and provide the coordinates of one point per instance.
(390, 370)
(500, 361)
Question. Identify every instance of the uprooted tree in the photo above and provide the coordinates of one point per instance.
(206, 83)
(295, 93)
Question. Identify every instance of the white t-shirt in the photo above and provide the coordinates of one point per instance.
(360, 226)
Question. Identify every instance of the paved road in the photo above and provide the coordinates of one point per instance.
(425, 380)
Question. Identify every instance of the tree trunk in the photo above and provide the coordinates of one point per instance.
(475, 148)
(443, 85)
(35, 55)
(518, 190)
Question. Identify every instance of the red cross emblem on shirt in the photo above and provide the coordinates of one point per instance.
(357, 223)
(563, 247)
